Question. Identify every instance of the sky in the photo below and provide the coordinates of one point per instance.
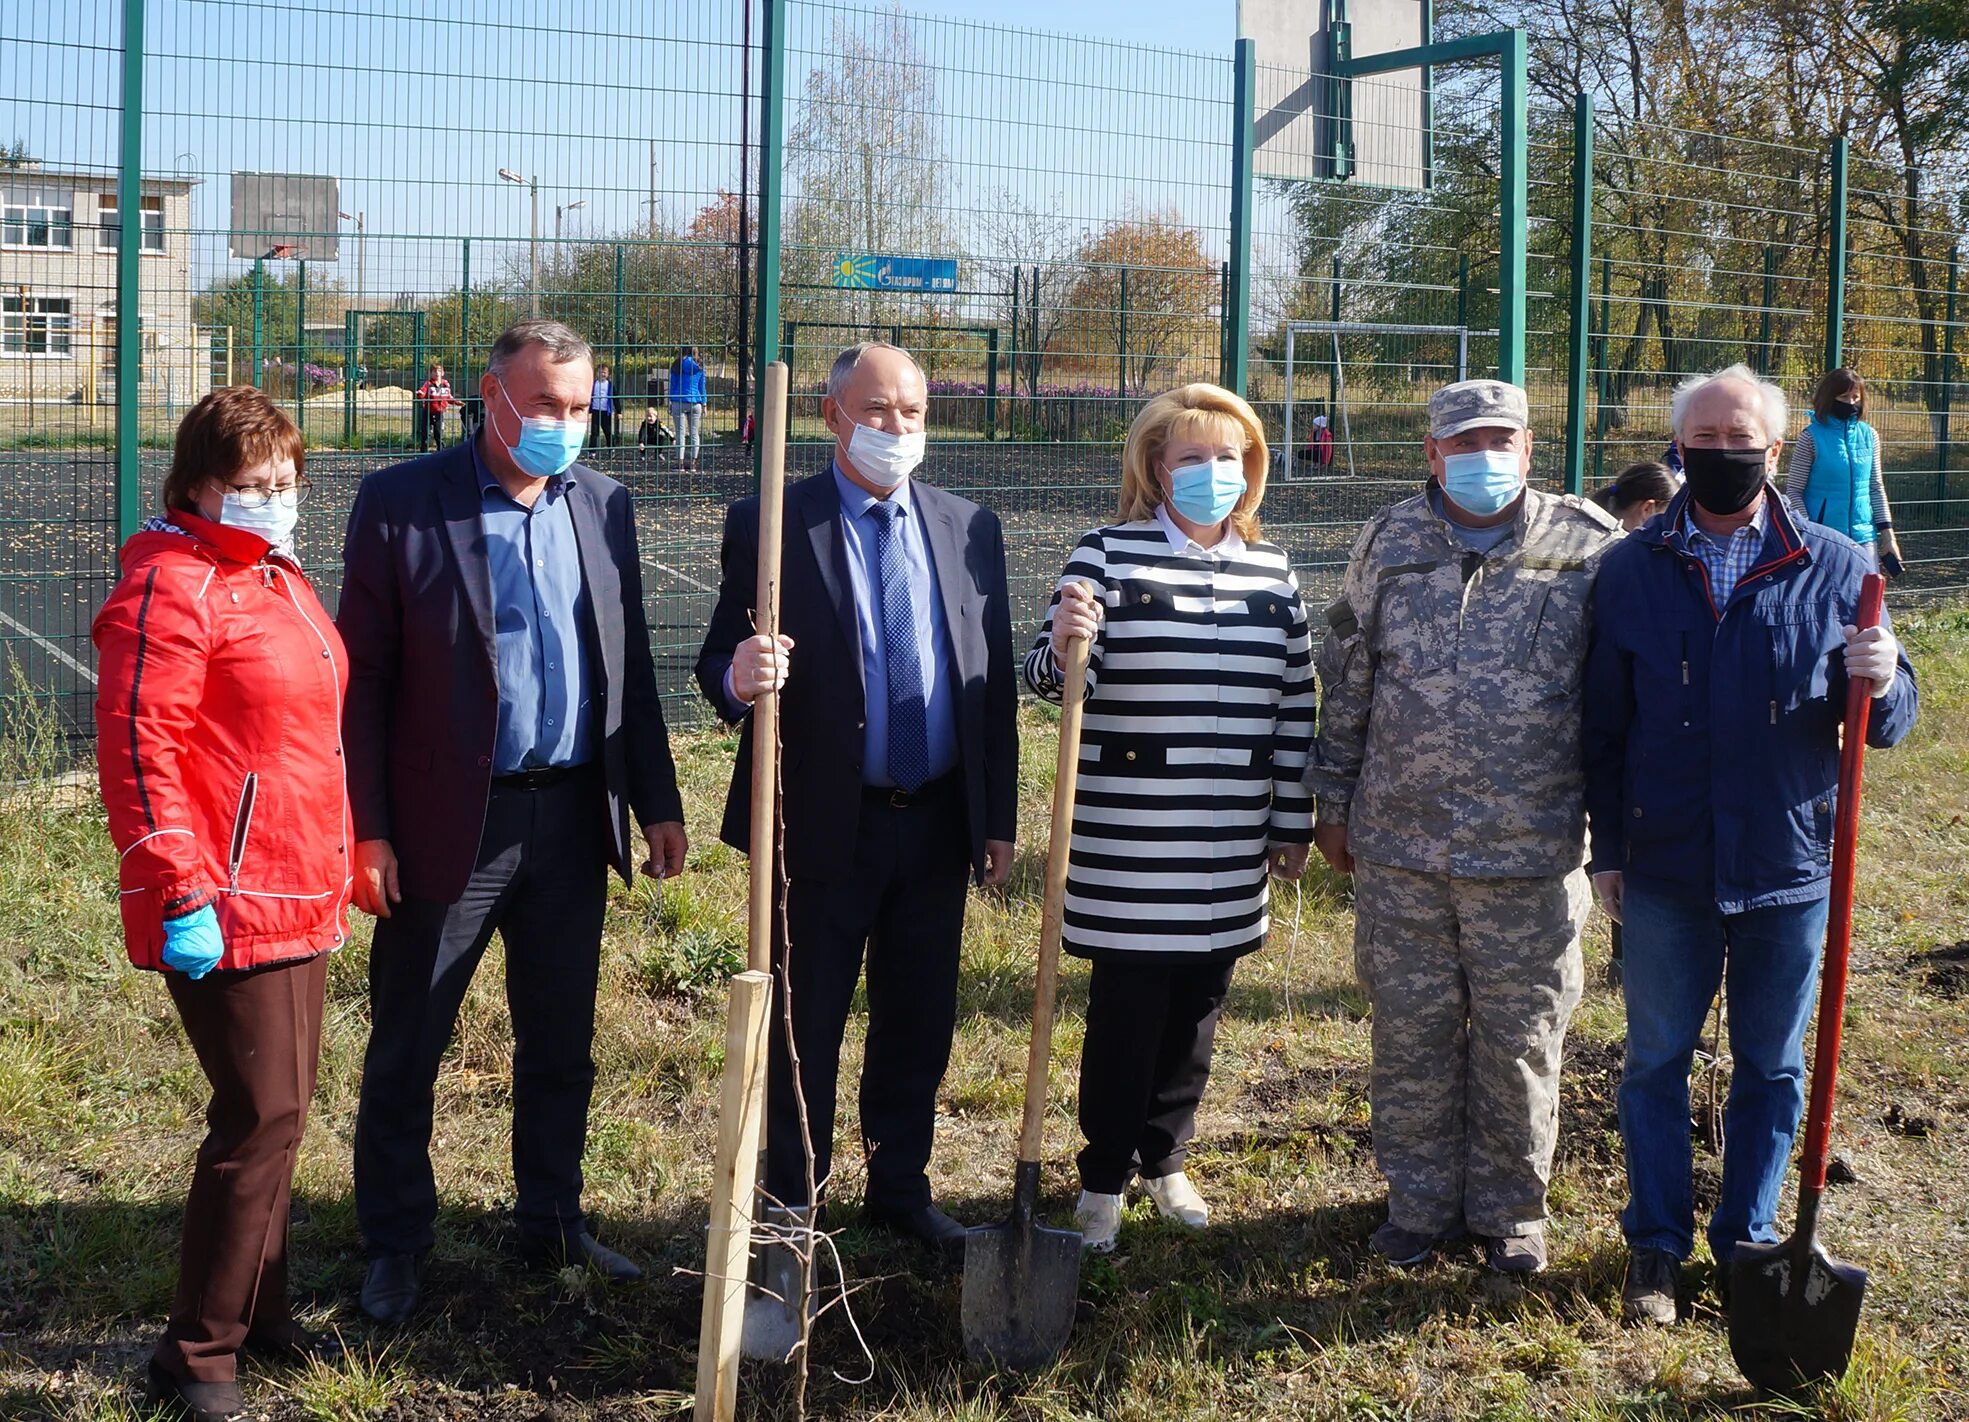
(1086, 110)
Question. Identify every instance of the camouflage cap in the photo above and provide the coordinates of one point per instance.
(1469, 403)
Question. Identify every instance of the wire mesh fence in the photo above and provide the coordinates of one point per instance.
(1049, 222)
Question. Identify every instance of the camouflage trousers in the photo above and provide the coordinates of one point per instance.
(1472, 982)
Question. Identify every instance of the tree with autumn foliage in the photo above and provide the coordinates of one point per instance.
(1143, 305)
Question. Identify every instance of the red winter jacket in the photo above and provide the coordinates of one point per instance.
(218, 724)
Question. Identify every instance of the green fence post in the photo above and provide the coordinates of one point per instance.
(349, 320)
(615, 340)
(1121, 338)
(1582, 299)
(1835, 283)
(1012, 356)
(1463, 291)
(991, 383)
(1513, 197)
(301, 348)
(1033, 353)
(772, 144)
(129, 258)
(1764, 319)
(259, 323)
(1605, 376)
(1237, 369)
(1223, 314)
(1333, 375)
(1942, 446)
(464, 325)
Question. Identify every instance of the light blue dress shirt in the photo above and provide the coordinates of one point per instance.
(859, 531)
(540, 617)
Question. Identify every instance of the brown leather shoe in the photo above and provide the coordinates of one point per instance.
(202, 1401)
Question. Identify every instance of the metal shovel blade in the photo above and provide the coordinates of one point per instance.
(1786, 1330)
(1021, 1283)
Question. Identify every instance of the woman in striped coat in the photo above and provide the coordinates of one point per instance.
(1198, 718)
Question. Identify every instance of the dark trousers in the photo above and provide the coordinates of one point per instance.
(601, 428)
(904, 903)
(541, 882)
(257, 1034)
(1143, 1065)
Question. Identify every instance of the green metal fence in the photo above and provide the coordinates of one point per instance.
(1059, 226)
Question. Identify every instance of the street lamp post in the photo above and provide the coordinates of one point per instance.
(362, 247)
(559, 211)
(533, 232)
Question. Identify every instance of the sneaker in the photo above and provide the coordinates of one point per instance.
(1176, 1199)
(1404, 1248)
(1516, 1253)
(1098, 1218)
(1648, 1297)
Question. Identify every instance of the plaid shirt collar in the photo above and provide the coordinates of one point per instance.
(1726, 559)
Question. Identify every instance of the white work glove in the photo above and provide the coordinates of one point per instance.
(1872, 654)
(1078, 615)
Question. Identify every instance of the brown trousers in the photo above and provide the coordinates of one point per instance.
(258, 1036)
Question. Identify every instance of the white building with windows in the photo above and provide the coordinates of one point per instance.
(59, 232)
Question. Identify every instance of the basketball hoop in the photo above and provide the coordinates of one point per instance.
(280, 251)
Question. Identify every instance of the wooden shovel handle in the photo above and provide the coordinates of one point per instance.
(1040, 1054)
(1839, 912)
(765, 709)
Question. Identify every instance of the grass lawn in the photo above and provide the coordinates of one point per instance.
(1278, 1311)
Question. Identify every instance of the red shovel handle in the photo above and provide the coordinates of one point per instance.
(1839, 913)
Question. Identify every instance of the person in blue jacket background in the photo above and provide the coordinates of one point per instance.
(1715, 686)
(1836, 474)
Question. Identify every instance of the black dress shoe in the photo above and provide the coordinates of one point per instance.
(582, 1249)
(389, 1292)
(926, 1223)
(203, 1401)
(295, 1344)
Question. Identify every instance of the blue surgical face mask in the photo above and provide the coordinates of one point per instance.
(1483, 482)
(546, 446)
(1206, 493)
(273, 520)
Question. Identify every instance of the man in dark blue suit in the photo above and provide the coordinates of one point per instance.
(900, 770)
(502, 727)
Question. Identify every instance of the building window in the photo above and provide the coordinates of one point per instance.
(109, 227)
(36, 325)
(36, 217)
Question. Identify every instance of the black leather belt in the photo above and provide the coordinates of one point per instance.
(897, 798)
(539, 778)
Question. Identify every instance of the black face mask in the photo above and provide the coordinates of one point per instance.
(1846, 409)
(1724, 481)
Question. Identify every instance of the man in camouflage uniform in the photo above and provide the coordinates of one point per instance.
(1449, 780)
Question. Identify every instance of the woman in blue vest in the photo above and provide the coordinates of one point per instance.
(1835, 470)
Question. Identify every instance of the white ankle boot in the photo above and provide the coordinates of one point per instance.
(1098, 1218)
(1176, 1199)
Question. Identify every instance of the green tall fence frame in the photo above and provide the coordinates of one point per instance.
(1581, 342)
(1508, 47)
(1237, 290)
(1835, 279)
(129, 332)
(772, 147)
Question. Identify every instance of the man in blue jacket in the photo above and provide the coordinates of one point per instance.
(1715, 686)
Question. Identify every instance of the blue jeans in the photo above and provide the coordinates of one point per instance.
(1676, 952)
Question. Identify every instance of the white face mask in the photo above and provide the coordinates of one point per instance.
(882, 458)
(273, 520)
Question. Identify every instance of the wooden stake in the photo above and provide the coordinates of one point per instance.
(741, 1106)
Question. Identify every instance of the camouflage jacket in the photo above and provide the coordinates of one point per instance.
(1449, 728)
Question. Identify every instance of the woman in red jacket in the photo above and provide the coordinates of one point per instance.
(218, 720)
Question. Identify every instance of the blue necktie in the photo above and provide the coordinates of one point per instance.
(909, 734)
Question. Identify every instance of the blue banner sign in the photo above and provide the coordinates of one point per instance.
(864, 271)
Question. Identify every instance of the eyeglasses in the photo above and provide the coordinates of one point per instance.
(258, 496)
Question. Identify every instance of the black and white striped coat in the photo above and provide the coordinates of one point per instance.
(1198, 720)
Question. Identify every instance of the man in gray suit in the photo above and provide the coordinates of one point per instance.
(502, 727)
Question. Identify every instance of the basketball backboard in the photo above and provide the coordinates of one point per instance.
(285, 215)
(1310, 124)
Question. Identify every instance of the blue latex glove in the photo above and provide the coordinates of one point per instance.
(192, 944)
